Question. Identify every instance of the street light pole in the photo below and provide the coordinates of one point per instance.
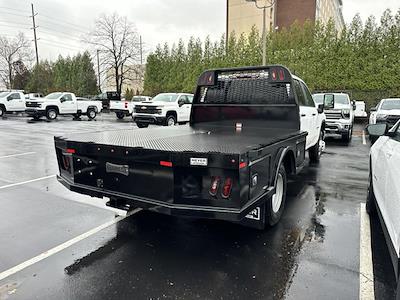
(267, 4)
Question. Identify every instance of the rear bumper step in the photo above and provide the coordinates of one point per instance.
(124, 200)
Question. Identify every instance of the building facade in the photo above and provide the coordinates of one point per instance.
(242, 15)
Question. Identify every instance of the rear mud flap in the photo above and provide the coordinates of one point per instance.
(255, 218)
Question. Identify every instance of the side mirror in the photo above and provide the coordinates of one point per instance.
(62, 99)
(320, 108)
(181, 102)
(354, 104)
(329, 101)
(377, 130)
(373, 109)
(9, 98)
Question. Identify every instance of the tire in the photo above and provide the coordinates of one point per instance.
(346, 137)
(91, 113)
(276, 204)
(170, 121)
(51, 114)
(315, 151)
(370, 205)
(2, 111)
(120, 115)
(142, 125)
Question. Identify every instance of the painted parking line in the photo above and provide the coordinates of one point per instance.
(19, 154)
(366, 267)
(25, 182)
(63, 246)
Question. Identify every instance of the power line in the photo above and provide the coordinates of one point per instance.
(13, 14)
(65, 24)
(46, 42)
(14, 9)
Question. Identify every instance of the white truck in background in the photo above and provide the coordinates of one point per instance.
(11, 101)
(125, 108)
(62, 103)
(164, 109)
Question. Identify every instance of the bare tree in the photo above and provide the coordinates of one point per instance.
(12, 51)
(117, 42)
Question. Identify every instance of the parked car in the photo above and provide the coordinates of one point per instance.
(360, 111)
(387, 111)
(125, 108)
(384, 187)
(11, 101)
(62, 103)
(33, 96)
(164, 109)
(106, 97)
(231, 163)
(339, 111)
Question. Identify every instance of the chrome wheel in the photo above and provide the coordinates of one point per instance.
(278, 196)
(52, 114)
(171, 121)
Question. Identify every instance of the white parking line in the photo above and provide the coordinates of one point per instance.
(363, 138)
(15, 155)
(25, 182)
(63, 246)
(366, 267)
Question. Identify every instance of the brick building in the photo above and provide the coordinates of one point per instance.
(243, 15)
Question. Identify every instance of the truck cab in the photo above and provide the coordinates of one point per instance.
(11, 101)
(339, 111)
(164, 109)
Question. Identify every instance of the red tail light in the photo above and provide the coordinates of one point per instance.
(226, 190)
(71, 151)
(273, 75)
(165, 163)
(281, 75)
(215, 180)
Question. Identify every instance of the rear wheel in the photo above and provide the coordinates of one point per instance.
(120, 115)
(142, 125)
(2, 111)
(315, 151)
(370, 205)
(276, 204)
(170, 121)
(51, 114)
(91, 113)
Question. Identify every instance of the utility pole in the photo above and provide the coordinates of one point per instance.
(98, 68)
(34, 34)
(141, 50)
(267, 4)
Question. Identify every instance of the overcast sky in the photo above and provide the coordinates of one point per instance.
(62, 23)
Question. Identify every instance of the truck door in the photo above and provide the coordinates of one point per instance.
(182, 109)
(68, 104)
(391, 201)
(314, 119)
(305, 113)
(15, 102)
(187, 108)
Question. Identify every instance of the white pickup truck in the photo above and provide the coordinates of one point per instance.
(164, 109)
(11, 102)
(61, 103)
(125, 108)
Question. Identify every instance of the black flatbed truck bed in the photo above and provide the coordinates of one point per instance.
(239, 148)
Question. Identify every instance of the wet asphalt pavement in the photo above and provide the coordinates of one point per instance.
(313, 253)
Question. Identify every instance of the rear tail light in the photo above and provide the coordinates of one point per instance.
(215, 180)
(227, 188)
(166, 163)
(273, 75)
(70, 151)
